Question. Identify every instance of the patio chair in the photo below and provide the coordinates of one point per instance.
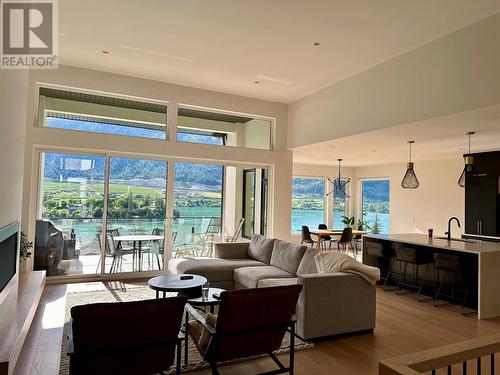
(250, 322)
(156, 248)
(202, 244)
(105, 339)
(237, 232)
(112, 250)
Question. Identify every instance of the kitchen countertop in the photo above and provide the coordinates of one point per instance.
(474, 246)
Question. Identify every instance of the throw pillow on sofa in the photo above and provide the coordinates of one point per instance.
(260, 248)
(287, 256)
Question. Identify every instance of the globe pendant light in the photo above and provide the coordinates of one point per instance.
(410, 180)
(469, 163)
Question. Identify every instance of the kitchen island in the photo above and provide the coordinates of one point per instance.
(481, 262)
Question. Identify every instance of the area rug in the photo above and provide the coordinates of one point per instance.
(136, 293)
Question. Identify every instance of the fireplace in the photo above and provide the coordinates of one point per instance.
(9, 240)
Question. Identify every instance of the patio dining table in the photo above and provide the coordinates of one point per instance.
(332, 232)
(137, 240)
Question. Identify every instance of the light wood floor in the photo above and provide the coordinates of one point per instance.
(403, 326)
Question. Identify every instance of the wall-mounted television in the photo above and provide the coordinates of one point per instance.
(8, 253)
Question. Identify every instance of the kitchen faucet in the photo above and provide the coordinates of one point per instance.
(448, 234)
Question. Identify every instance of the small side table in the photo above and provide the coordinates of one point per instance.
(200, 302)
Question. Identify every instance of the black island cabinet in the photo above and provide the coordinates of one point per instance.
(478, 271)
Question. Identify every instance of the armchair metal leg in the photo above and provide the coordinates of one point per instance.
(292, 348)
(214, 369)
(178, 359)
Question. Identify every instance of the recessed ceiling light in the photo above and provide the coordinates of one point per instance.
(256, 82)
(104, 52)
(315, 44)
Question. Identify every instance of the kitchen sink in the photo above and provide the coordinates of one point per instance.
(457, 239)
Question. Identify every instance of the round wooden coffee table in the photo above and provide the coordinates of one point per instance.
(184, 284)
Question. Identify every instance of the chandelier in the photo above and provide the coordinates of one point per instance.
(339, 185)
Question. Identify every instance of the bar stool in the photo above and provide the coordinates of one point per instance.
(376, 250)
(406, 256)
(449, 265)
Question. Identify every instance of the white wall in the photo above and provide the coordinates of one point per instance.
(456, 73)
(279, 159)
(430, 205)
(13, 93)
(13, 90)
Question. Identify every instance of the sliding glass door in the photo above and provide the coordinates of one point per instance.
(136, 215)
(70, 215)
(197, 215)
(110, 213)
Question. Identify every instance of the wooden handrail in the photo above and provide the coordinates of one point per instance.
(444, 356)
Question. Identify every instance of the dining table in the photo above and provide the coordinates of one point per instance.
(137, 240)
(321, 233)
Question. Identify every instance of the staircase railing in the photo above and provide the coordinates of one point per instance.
(475, 356)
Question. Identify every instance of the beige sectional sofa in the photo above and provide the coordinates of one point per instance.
(329, 304)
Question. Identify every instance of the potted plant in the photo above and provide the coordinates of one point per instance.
(348, 221)
(362, 224)
(24, 251)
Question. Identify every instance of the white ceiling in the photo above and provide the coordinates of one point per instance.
(226, 45)
(437, 138)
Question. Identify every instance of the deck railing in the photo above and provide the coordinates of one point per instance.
(475, 356)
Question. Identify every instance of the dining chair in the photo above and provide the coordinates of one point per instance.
(325, 239)
(249, 322)
(306, 236)
(124, 347)
(346, 240)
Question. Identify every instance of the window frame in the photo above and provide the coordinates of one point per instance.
(272, 125)
(346, 202)
(360, 197)
(39, 121)
(326, 205)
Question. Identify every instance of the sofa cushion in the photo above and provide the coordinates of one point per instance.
(266, 283)
(287, 256)
(307, 264)
(249, 277)
(214, 269)
(260, 248)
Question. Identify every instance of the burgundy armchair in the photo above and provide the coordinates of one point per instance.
(250, 322)
(106, 338)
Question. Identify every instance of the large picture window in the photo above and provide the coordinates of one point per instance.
(375, 203)
(86, 112)
(308, 202)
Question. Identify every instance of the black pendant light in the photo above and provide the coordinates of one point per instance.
(339, 185)
(410, 180)
(469, 162)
